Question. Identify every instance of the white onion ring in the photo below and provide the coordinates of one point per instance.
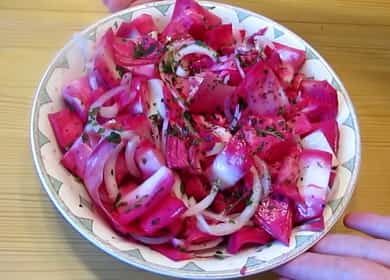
(237, 223)
(176, 188)
(217, 148)
(107, 96)
(261, 42)
(240, 70)
(262, 168)
(164, 134)
(109, 174)
(109, 112)
(99, 103)
(214, 216)
(191, 201)
(152, 240)
(178, 243)
(193, 47)
(203, 204)
(131, 146)
(236, 117)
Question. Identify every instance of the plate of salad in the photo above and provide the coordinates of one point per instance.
(195, 140)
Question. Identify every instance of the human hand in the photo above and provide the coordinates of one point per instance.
(117, 5)
(346, 257)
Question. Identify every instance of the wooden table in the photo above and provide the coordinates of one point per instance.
(35, 242)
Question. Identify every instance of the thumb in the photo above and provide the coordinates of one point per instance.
(117, 5)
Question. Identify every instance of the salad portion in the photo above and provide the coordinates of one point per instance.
(199, 135)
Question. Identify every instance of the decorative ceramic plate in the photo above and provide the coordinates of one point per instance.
(72, 200)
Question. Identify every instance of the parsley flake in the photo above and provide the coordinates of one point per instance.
(114, 138)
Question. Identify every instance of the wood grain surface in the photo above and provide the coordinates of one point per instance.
(36, 243)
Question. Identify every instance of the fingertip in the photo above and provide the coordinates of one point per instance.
(375, 225)
(117, 5)
(352, 219)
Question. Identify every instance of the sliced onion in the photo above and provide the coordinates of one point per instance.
(203, 204)
(205, 245)
(164, 134)
(178, 243)
(217, 148)
(191, 201)
(94, 126)
(109, 112)
(181, 72)
(235, 224)
(265, 176)
(236, 117)
(223, 133)
(109, 174)
(107, 96)
(93, 178)
(240, 70)
(226, 79)
(214, 216)
(93, 82)
(131, 146)
(176, 188)
(261, 42)
(193, 47)
(152, 240)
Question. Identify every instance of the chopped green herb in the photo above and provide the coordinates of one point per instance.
(232, 221)
(182, 188)
(156, 119)
(85, 137)
(195, 141)
(217, 184)
(249, 202)
(121, 204)
(141, 51)
(138, 203)
(221, 255)
(242, 104)
(114, 138)
(167, 67)
(78, 179)
(269, 131)
(200, 43)
(117, 200)
(93, 112)
(187, 115)
(121, 71)
(173, 130)
(101, 130)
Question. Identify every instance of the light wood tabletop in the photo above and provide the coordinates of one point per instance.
(36, 243)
